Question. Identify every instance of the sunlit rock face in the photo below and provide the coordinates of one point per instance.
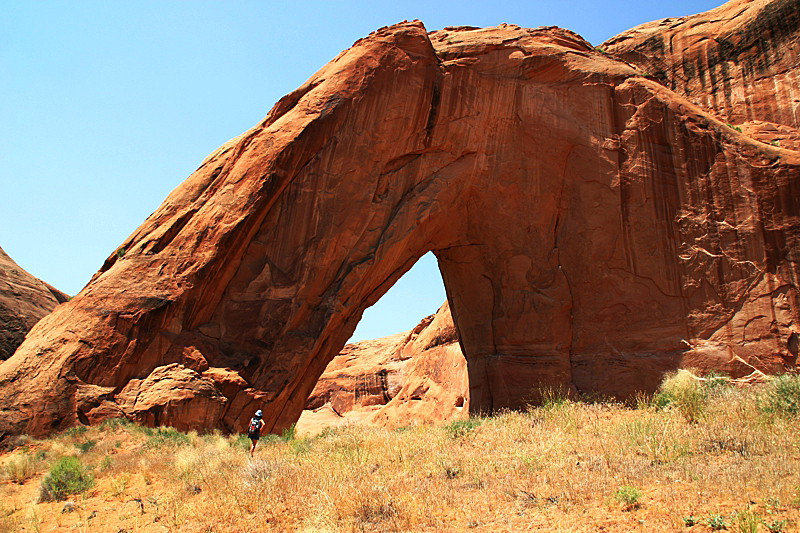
(414, 377)
(24, 300)
(738, 62)
(593, 229)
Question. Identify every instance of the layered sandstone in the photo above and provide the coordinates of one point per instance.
(593, 229)
(415, 377)
(738, 61)
(24, 300)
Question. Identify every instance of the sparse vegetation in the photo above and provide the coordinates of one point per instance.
(566, 465)
(628, 496)
(67, 476)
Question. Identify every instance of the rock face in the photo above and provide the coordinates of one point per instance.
(24, 300)
(738, 61)
(593, 228)
(415, 377)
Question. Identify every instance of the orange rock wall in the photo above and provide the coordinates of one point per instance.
(593, 229)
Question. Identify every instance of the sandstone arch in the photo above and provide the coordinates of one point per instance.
(589, 224)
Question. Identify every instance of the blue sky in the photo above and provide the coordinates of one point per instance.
(108, 106)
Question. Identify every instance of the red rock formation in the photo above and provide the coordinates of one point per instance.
(419, 376)
(738, 61)
(592, 228)
(24, 300)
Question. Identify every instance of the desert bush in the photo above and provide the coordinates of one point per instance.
(165, 437)
(685, 392)
(67, 476)
(781, 396)
(462, 427)
(627, 495)
(20, 469)
(114, 423)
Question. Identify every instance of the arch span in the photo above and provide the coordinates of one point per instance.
(592, 228)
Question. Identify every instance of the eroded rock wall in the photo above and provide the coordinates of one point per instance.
(593, 228)
(738, 61)
(24, 300)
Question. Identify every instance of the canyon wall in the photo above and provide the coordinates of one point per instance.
(593, 229)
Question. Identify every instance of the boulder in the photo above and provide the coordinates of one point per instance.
(593, 229)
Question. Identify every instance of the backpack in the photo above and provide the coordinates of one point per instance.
(255, 426)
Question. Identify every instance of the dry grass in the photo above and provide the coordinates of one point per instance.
(564, 467)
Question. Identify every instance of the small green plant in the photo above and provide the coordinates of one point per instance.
(114, 423)
(289, 433)
(690, 520)
(120, 252)
(86, 446)
(747, 521)
(600, 50)
(776, 526)
(628, 495)
(462, 427)
(105, 464)
(75, 431)
(716, 521)
(782, 396)
(775, 143)
(161, 437)
(735, 128)
(67, 476)
(239, 441)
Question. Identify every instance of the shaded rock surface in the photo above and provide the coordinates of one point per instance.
(24, 300)
(593, 228)
(415, 377)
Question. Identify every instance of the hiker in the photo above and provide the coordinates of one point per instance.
(254, 430)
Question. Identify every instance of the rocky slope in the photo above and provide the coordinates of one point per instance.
(593, 228)
(24, 300)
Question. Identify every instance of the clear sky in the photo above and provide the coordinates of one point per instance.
(107, 106)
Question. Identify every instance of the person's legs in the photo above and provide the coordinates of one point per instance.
(253, 447)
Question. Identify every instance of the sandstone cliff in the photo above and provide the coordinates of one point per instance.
(24, 300)
(593, 229)
(738, 62)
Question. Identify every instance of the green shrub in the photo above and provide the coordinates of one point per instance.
(75, 431)
(628, 495)
(239, 441)
(716, 521)
(782, 396)
(161, 437)
(289, 433)
(776, 526)
(67, 476)
(685, 392)
(114, 423)
(462, 427)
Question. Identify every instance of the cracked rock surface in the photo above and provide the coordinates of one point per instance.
(593, 229)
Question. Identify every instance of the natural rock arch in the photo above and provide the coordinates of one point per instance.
(593, 229)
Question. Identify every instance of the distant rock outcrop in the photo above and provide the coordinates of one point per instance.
(24, 300)
(593, 228)
(415, 377)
